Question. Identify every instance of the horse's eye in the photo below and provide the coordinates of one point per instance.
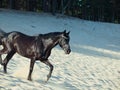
(67, 40)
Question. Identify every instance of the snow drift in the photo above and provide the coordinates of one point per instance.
(92, 65)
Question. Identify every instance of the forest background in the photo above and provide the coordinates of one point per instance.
(95, 10)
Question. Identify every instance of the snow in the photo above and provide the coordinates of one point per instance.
(92, 65)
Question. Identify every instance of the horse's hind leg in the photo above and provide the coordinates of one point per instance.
(51, 68)
(6, 60)
(3, 51)
(0, 60)
(0, 55)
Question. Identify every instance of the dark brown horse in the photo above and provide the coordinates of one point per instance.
(33, 47)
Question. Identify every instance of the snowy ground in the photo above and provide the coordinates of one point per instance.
(94, 63)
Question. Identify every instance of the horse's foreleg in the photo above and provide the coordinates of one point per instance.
(32, 62)
(51, 68)
(7, 59)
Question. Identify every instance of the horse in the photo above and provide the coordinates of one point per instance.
(33, 47)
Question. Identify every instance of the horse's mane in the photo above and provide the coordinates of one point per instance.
(51, 34)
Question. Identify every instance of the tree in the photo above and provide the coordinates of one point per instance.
(12, 4)
(31, 5)
(54, 4)
(64, 5)
(1, 3)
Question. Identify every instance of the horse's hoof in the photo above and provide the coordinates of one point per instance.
(29, 79)
(46, 82)
(5, 72)
(48, 77)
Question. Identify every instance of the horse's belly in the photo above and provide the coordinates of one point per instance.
(29, 50)
(29, 53)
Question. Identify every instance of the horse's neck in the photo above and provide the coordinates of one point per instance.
(51, 42)
(48, 44)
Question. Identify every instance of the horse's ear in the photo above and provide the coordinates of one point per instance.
(64, 31)
(68, 33)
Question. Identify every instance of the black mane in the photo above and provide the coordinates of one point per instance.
(51, 34)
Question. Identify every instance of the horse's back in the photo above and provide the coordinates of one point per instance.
(18, 36)
(25, 45)
(17, 39)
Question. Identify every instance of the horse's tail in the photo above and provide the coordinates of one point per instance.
(2, 34)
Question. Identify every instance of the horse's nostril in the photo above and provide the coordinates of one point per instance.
(68, 51)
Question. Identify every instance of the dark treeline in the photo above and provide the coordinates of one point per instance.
(96, 10)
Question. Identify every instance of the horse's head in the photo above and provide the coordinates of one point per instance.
(64, 42)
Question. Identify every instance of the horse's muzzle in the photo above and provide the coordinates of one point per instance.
(68, 51)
